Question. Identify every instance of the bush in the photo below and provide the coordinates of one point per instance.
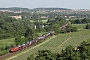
(63, 31)
(88, 26)
(7, 47)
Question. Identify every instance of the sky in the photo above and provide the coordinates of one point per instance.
(72, 4)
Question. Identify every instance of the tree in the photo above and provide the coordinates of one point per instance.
(47, 28)
(55, 27)
(84, 50)
(9, 19)
(43, 55)
(30, 33)
(88, 26)
(17, 40)
(7, 47)
(70, 28)
(85, 20)
(70, 54)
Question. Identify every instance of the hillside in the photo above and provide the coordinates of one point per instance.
(15, 9)
(35, 9)
(51, 9)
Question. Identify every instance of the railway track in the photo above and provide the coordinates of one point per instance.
(7, 55)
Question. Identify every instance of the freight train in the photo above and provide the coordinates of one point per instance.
(64, 26)
(30, 43)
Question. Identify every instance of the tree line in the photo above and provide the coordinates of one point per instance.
(80, 21)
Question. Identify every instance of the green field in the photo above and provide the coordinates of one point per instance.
(79, 26)
(57, 44)
(44, 21)
(6, 42)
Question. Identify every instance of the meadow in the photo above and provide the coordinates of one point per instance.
(44, 21)
(79, 26)
(6, 42)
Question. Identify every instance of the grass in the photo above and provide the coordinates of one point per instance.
(6, 42)
(44, 21)
(52, 45)
(79, 26)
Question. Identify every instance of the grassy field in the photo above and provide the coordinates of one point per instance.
(79, 26)
(58, 43)
(6, 42)
(44, 21)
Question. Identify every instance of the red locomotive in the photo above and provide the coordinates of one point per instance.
(14, 49)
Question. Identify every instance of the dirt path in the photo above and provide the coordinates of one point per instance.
(64, 42)
(31, 48)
